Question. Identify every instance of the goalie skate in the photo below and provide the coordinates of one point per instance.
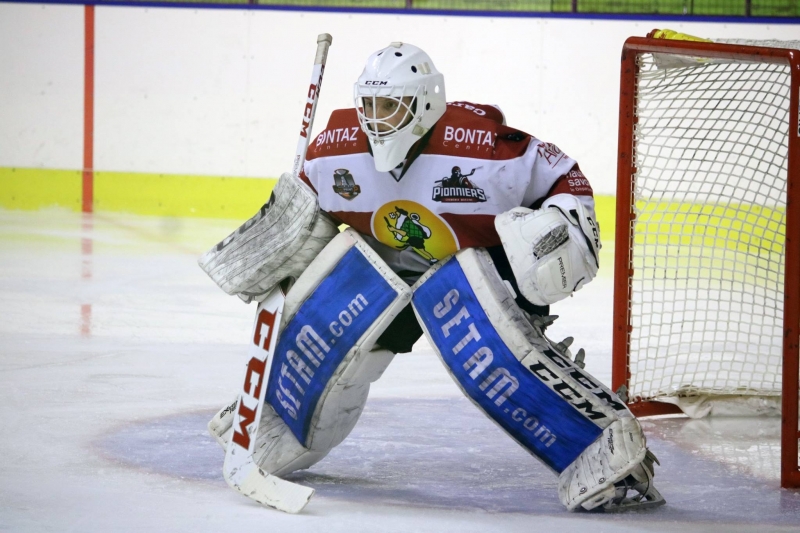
(640, 483)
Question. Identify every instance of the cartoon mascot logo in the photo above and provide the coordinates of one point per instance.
(408, 225)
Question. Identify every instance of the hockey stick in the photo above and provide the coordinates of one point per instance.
(222, 422)
(240, 469)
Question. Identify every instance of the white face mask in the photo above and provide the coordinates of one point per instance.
(398, 98)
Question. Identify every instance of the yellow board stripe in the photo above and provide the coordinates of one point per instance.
(137, 193)
(605, 207)
(32, 188)
(745, 228)
(166, 194)
(180, 196)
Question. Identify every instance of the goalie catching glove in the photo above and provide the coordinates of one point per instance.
(553, 251)
(278, 242)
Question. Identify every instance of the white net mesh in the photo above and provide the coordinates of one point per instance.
(708, 244)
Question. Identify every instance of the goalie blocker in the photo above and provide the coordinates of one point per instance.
(530, 387)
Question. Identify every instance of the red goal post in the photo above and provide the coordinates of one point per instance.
(707, 251)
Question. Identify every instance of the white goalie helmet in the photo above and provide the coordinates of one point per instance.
(399, 97)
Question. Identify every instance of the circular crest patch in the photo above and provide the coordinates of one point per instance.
(404, 224)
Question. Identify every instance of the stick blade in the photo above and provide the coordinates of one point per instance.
(268, 490)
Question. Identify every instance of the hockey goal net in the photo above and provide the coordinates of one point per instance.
(707, 260)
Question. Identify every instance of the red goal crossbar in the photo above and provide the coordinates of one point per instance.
(625, 216)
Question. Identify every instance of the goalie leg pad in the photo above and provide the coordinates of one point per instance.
(521, 380)
(277, 449)
(367, 368)
(326, 355)
(278, 242)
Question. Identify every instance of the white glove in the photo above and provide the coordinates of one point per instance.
(278, 242)
(553, 251)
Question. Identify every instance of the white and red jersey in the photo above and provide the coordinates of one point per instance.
(465, 171)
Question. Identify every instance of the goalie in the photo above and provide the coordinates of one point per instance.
(484, 257)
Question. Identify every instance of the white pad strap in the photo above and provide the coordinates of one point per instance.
(278, 242)
(553, 251)
(326, 356)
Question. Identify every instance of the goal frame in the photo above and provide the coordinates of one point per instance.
(625, 216)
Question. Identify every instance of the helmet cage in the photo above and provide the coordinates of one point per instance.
(381, 129)
(396, 72)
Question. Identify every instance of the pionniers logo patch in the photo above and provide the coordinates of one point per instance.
(458, 188)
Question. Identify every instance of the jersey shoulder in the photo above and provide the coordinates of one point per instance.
(342, 136)
(470, 110)
(476, 130)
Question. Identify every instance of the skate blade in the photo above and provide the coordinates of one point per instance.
(649, 501)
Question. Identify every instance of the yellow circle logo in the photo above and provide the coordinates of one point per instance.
(404, 224)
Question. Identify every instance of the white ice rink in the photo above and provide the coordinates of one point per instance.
(115, 350)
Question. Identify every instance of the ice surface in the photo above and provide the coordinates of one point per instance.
(115, 350)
